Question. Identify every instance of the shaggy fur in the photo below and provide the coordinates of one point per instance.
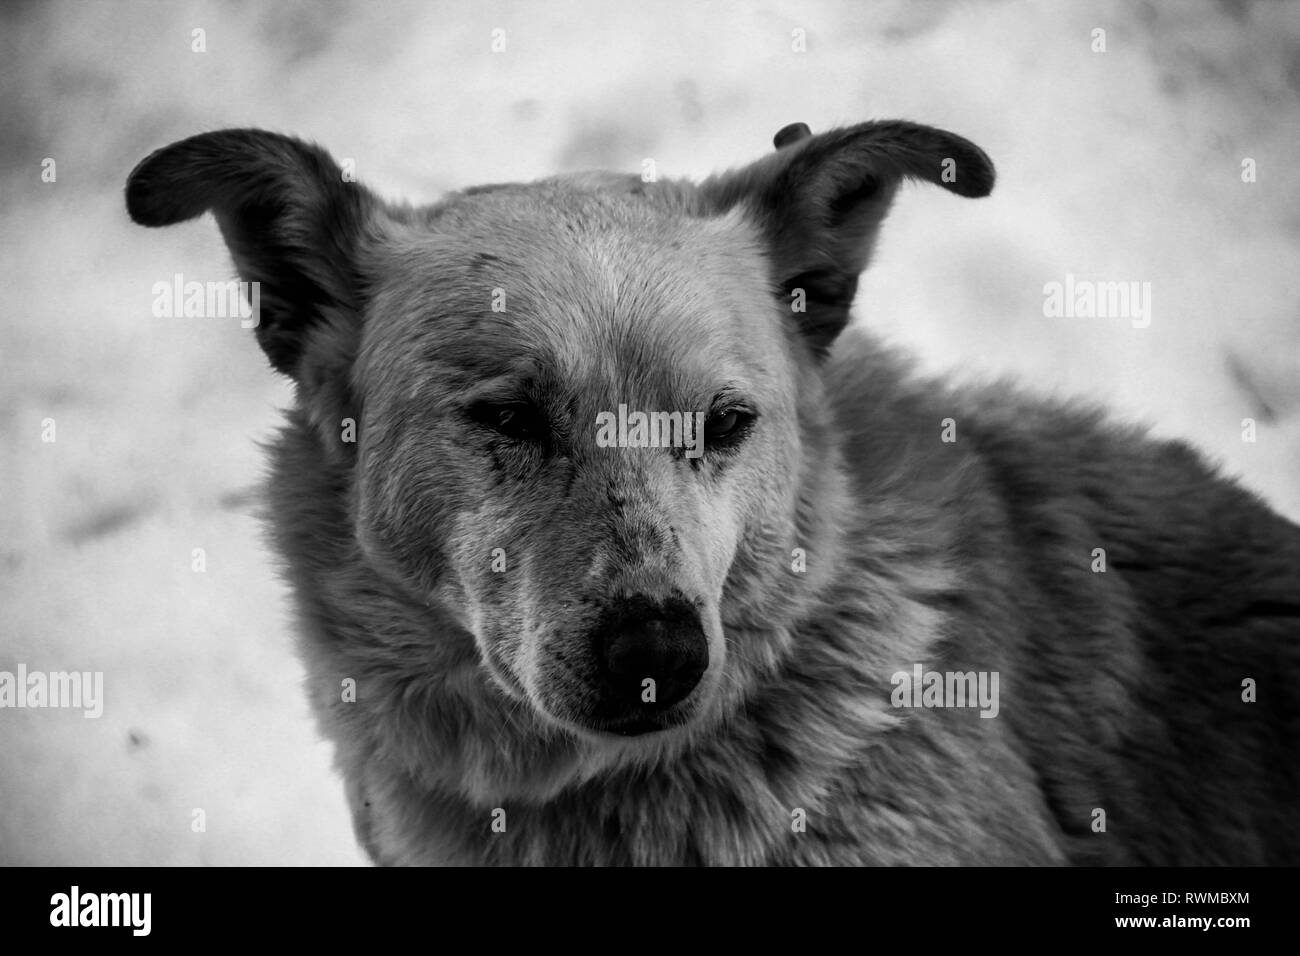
(464, 576)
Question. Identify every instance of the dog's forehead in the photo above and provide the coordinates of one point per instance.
(571, 221)
(585, 283)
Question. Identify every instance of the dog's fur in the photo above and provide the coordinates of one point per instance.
(836, 541)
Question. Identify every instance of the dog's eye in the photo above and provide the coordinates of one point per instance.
(727, 425)
(517, 420)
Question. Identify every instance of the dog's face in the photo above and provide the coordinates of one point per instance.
(587, 406)
(501, 344)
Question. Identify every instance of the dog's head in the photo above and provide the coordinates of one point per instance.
(589, 408)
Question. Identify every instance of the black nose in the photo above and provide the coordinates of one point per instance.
(642, 640)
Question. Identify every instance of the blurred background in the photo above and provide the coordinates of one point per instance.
(1117, 165)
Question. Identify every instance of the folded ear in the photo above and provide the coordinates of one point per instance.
(819, 201)
(291, 221)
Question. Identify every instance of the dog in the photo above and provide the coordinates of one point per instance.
(540, 632)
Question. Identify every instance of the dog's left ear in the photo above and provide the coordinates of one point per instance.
(293, 223)
(819, 201)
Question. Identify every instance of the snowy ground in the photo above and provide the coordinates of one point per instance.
(1122, 165)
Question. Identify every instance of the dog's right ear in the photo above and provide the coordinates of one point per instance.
(292, 222)
(819, 201)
